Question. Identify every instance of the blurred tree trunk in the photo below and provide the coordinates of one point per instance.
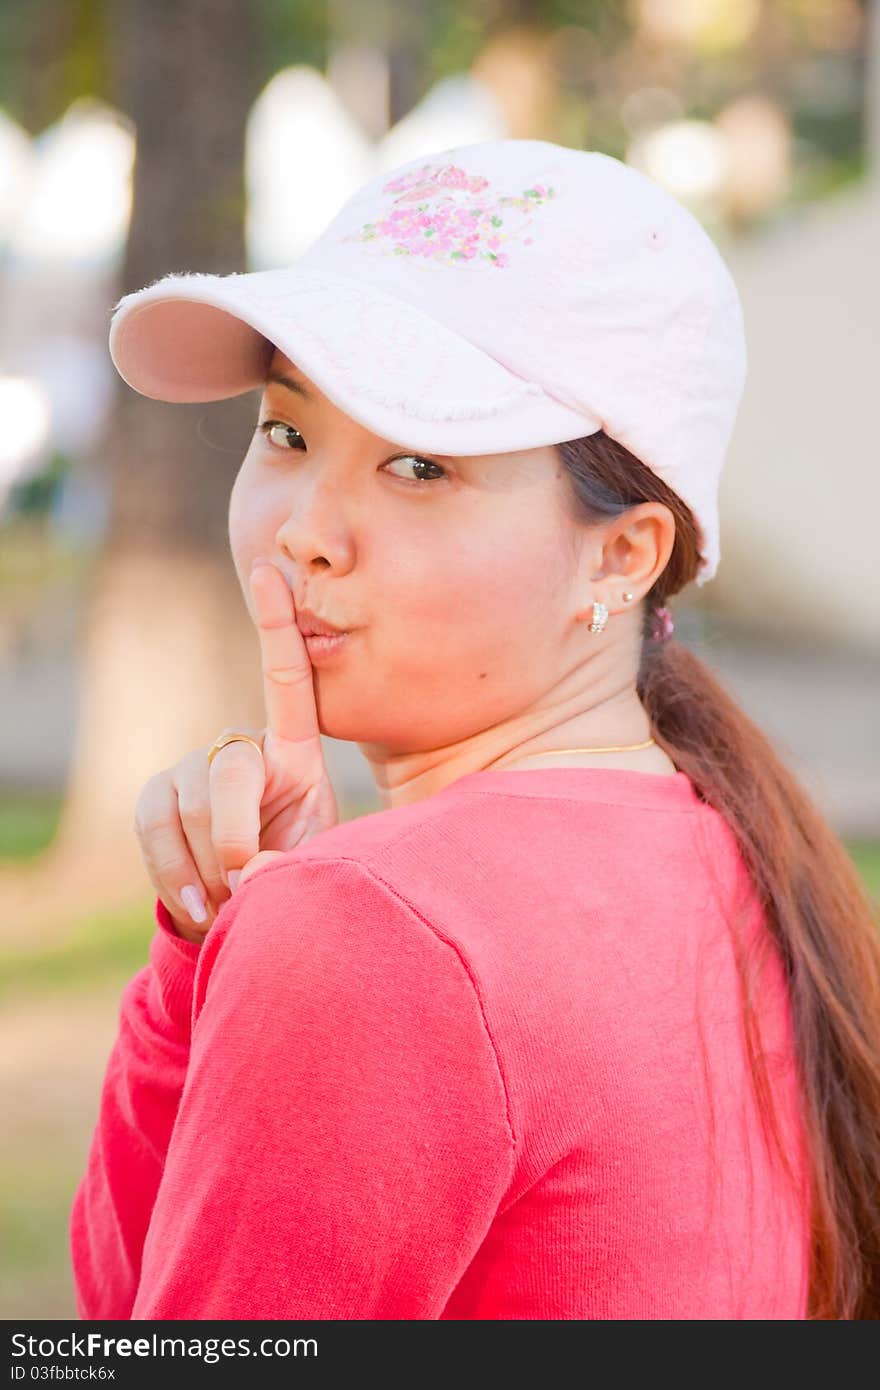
(407, 33)
(168, 656)
(403, 35)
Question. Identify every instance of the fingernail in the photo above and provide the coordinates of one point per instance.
(260, 560)
(234, 876)
(191, 899)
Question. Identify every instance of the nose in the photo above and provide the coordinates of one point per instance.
(315, 534)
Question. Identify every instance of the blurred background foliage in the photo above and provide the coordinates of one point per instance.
(806, 55)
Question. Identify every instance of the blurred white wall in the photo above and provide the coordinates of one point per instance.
(800, 489)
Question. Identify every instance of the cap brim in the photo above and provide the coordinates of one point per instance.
(391, 367)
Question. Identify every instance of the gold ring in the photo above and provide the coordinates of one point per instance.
(222, 741)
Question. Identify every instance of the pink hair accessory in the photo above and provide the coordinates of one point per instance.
(663, 625)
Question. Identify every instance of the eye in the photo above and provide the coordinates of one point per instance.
(267, 426)
(289, 433)
(418, 463)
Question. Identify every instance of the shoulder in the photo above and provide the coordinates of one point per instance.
(422, 856)
(372, 839)
(355, 869)
(332, 919)
(315, 952)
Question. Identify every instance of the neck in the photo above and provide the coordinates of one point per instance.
(615, 715)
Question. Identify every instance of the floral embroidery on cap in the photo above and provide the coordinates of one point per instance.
(444, 215)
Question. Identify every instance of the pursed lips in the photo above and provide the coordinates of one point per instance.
(308, 622)
(312, 626)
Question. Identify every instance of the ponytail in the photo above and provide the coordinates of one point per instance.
(816, 907)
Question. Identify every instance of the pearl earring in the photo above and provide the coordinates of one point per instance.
(627, 597)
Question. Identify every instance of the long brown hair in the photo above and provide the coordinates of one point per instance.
(816, 907)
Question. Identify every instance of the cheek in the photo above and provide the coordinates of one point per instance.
(476, 599)
(460, 634)
(460, 641)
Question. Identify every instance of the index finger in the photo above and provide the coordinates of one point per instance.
(287, 671)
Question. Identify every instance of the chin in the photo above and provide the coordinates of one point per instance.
(335, 718)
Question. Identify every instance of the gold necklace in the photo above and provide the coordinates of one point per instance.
(613, 748)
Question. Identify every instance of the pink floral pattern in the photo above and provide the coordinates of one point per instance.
(443, 214)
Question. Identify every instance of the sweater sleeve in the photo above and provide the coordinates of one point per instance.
(138, 1104)
(342, 1142)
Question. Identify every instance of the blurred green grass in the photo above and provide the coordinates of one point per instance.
(865, 854)
(27, 823)
(100, 946)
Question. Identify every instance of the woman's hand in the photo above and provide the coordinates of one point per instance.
(197, 824)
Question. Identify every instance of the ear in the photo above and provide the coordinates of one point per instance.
(636, 546)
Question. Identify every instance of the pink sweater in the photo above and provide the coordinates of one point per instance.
(479, 1057)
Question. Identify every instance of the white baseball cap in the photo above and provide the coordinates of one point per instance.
(489, 298)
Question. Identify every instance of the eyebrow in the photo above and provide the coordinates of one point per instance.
(297, 387)
(281, 380)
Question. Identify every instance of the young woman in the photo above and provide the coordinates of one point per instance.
(584, 1022)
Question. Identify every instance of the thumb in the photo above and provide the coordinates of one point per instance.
(259, 861)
